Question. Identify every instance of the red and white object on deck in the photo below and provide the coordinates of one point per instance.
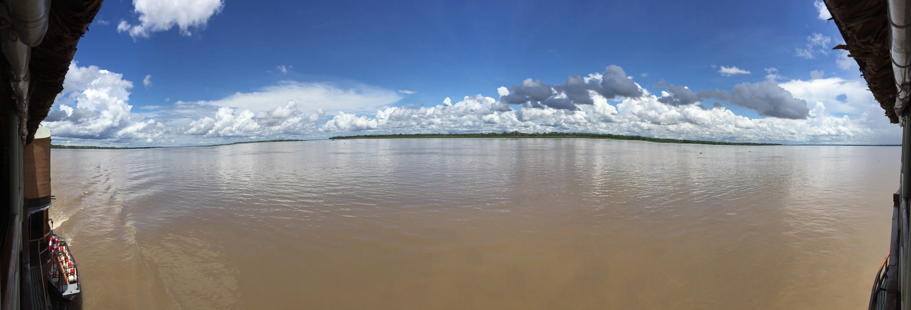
(62, 273)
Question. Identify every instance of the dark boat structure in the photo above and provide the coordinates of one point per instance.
(877, 35)
(38, 40)
(50, 278)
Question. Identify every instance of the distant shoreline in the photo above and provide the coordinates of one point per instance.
(90, 147)
(502, 135)
(561, 135)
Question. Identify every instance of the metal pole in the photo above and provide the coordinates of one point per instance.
(905, 241)
(906, 158)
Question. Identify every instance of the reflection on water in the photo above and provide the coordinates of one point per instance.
(470, 224)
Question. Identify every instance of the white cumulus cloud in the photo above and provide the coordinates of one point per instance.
(289, 108)
(822, 10)
(816, 74)
(817, 44)
(163, 15)
(732, 70)
(94, 105)
(309, 96)
(772, 74)
(839, 95)
(228, 122)
(845, 62)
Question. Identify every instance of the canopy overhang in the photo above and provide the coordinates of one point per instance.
(865, 27)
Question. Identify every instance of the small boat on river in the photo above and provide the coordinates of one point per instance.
(62, 272)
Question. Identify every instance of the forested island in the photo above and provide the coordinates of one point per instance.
(507, 135)
(516, 134)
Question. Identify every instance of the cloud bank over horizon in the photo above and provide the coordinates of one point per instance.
(310, 74)
(95, 108)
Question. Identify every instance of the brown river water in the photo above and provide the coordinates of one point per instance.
(476, 224)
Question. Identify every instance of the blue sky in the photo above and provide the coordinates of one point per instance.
(209, 71)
